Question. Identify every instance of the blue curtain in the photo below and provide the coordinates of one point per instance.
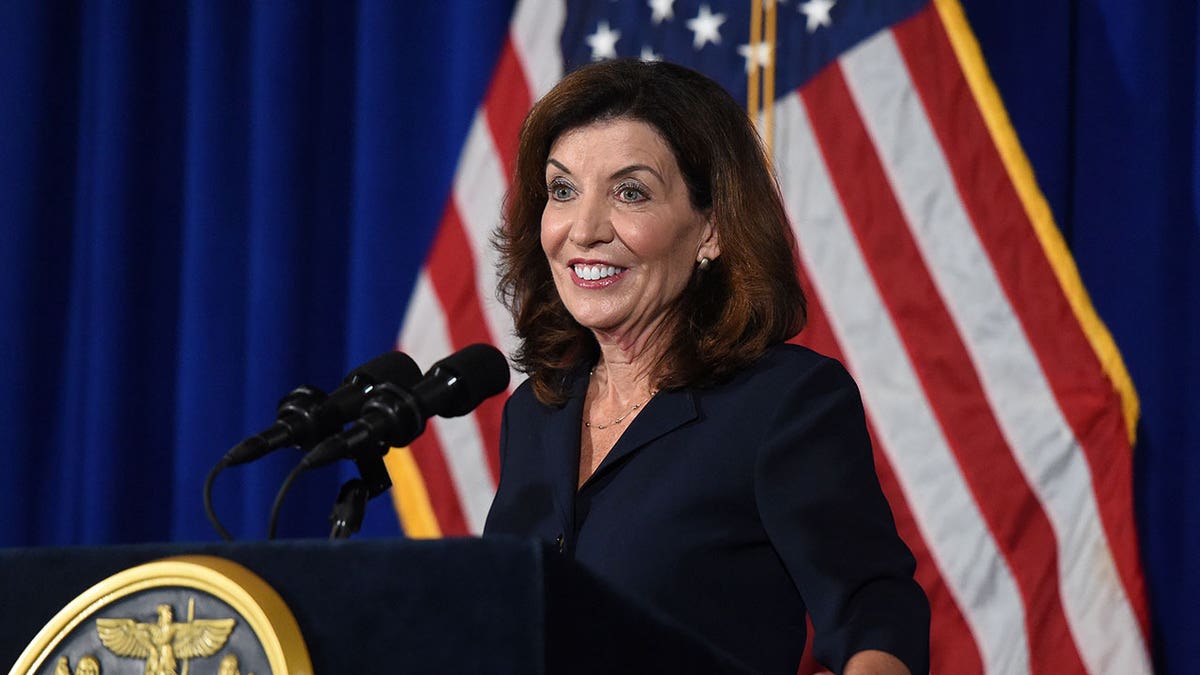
(204, 205)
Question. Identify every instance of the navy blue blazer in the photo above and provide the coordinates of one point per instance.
(733, 508)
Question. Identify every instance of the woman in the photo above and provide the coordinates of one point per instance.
(667, 437)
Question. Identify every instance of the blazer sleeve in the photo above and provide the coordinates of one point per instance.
(823, 510)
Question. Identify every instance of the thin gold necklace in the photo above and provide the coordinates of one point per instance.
(589, 425)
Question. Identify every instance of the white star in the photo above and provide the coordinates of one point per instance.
(604, 42)
(706, 26)
(649, 55)
(756, 55)
(817, 12)
(663, 10)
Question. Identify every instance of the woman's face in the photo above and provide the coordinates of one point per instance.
(619, 230)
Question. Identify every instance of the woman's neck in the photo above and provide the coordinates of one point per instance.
(623, 375)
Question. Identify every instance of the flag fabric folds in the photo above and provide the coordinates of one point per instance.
(1001, 411)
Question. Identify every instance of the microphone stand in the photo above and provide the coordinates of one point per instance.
(351, 503)
(348, 510)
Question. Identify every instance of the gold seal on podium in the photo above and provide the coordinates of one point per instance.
(235, 623)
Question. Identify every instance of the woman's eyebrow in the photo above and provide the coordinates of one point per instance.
(637, 167)
(624, 171)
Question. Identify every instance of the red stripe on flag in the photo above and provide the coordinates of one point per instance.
(1087, 397)
(952, 646)
(1011, 509)
(443, 495)
(505, 105)
(449, 265)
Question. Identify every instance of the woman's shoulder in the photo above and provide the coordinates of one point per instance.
(524, 397)
(792, 363)
(795, 355)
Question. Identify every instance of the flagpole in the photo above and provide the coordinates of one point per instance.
(768, 103)
(755, 39)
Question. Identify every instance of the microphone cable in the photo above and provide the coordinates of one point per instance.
(273, 520)
(208, 503)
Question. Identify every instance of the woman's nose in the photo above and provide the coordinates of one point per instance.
(592, 223)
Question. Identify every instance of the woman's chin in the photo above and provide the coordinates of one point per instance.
(600, 325)
(597, 316)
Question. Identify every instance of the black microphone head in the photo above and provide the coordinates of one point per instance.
(395, 367)
(391, 367)
(467, 377)
(307, 416)
(395, 415)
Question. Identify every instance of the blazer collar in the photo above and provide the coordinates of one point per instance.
(667, 411)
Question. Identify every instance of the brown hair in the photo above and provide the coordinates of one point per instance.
(748, 299)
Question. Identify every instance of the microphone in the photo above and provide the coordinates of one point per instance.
(394, 415)
(306, 415)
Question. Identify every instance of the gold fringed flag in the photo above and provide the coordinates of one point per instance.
(1001, 411)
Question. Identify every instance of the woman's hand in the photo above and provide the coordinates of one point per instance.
(875, 662)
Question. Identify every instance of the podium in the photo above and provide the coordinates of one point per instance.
(439, 606)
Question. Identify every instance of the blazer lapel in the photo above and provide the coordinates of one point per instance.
(666, 412)
(561, 445)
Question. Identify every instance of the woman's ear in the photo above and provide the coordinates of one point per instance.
(710, 241)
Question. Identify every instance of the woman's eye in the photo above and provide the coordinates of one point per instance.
(560, 191)
(630, 193)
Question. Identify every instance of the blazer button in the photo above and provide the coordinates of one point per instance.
(561, 543)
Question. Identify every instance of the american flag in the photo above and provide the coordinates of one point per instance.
(1000, 408)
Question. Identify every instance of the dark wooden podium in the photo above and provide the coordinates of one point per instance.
(444, 606)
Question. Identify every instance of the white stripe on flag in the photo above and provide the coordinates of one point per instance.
(464, 451)
(479, 186)
(423, 345)
(1098, 612)
(425, 338)
(961, 543)
(536, 29)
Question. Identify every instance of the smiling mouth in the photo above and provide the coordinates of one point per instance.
(596, 272)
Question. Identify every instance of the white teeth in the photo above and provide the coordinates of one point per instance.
(596, 272)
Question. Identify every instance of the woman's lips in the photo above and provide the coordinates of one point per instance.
(595, 274)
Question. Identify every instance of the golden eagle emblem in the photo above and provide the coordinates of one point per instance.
(161, 643)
